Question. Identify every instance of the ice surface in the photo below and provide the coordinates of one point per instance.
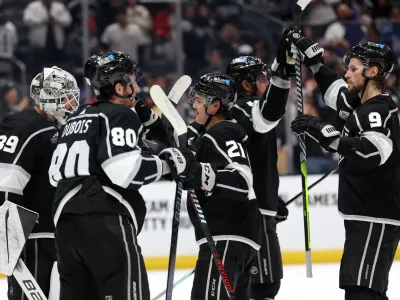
(295, 285)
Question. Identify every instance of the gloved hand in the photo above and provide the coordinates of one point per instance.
(184, 166)
(283, 65)
(311, 53)
(181, 161)
(146, 115)
(321, 132)
(282, 212)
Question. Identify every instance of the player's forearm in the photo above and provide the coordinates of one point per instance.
(370, 150)
(133, 169)
(329, 83)
(273, 102)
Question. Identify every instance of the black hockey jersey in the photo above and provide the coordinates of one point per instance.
(259, 117)
(98, 165)
(369, 174)
(230, 210)
(27, 142)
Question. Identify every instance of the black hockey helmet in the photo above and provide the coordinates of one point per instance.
(105, 69)
(247, 68)
(370, 52)
(214, 86)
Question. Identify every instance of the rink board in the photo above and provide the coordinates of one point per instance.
(327, 231)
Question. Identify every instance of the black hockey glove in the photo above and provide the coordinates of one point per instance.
(321, 132)
(283, 212)
(203, 178)
(310, 51)
(283, 65)
(146, 115)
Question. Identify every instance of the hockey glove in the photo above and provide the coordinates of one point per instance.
(146, 115)
(321, 132)
(283, 65)
(181, 161)
(310, 51)
(282, 212)
(203, 178)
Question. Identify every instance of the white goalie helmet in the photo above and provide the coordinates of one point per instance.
(56, 92)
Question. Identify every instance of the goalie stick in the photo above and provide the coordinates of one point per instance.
(175, 94)
(298, 11)
(169, 111)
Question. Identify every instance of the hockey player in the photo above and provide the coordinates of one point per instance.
(221, 176)
(258, 109)
(98, 169)
(27, 142)
(369, 174)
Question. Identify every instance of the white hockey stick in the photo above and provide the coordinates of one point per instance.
(164, 104)
(179, 88)
(167, 108)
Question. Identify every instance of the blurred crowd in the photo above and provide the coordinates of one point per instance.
(41, 33)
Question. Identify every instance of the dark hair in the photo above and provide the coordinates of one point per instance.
(223, 110)
(379, 81)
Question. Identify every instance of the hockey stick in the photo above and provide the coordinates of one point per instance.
(286, 204)
(298, 11)
(174, 95)
(314, 184)
(179, 88)
(175, 284)
(169, 111)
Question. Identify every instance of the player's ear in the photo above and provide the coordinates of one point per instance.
(119, 88)
(246, 86)
(216, 103)
(373, 71)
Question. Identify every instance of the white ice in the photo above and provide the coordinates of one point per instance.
(295, 285)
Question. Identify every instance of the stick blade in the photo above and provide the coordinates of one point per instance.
(298, 11)
(168, 110)
(179, 88)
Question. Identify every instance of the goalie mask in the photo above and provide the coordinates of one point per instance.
(56, 92)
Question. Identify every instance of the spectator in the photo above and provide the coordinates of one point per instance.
(46, 20)
(9, 104)
(229, 41)
(8, 37)
(336, 32)
(139, 15)
(215, 64)
(390, 33)
(125, 37)
(163, 23)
